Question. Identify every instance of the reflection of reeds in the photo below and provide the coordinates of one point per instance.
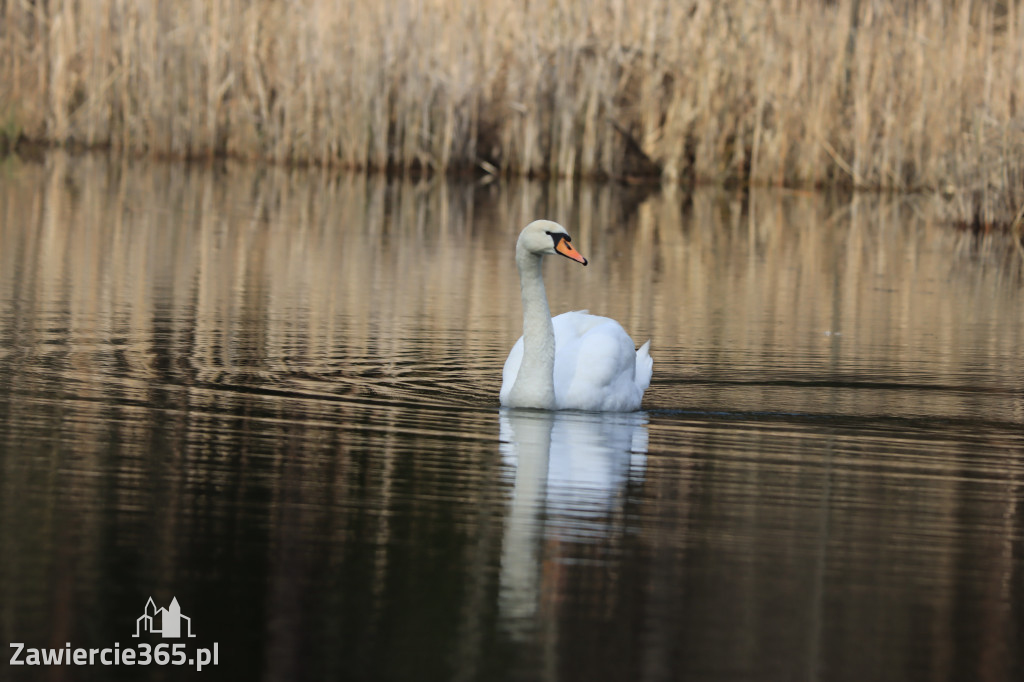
(143, 299)
(781, 92)
(269, 272)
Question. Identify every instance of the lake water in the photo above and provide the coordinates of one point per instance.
(272, 395)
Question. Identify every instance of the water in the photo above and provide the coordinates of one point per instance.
(272, 395)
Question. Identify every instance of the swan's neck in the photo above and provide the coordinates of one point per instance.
(535, 385)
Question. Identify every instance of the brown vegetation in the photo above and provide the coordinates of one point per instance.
(783, 92)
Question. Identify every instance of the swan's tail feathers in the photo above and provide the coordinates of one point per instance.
(644, 366)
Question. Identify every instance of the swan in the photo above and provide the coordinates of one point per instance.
(574, 361)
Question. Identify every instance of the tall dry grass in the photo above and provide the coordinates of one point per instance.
(782, 92)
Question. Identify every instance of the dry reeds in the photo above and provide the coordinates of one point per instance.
(781, 92)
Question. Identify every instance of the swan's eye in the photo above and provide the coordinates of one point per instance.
(558, 236)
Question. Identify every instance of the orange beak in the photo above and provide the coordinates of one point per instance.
(566, 249)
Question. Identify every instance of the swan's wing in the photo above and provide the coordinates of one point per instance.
(575, 324)
(595, 364)
(644, 366)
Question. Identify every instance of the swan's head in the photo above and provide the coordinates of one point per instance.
(545, 238)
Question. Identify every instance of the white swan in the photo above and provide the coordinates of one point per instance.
(575, 361)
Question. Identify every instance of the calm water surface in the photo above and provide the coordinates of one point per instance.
(272, 395)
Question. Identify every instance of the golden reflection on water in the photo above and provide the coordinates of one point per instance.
(348, 284)
(215, 369)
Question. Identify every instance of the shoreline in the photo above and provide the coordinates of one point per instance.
(925, 97)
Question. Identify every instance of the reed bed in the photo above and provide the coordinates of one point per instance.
(857, 93)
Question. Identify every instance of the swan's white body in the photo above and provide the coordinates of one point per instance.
(575, 361)
(596, 367)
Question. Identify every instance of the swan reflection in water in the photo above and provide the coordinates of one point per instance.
(571, 471)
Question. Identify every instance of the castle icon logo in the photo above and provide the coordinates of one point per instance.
(166, 622)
